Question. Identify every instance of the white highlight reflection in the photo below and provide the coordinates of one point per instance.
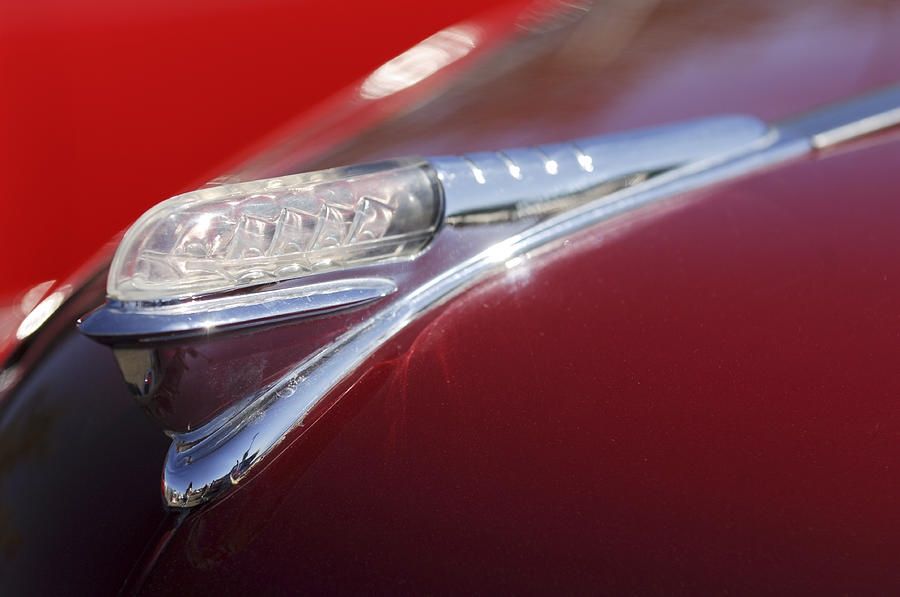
(476, 171)
(586, 162)
(420, 61)
(552, 167)
(500, 253)
(40, 314)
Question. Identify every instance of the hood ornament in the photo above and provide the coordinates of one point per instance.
(249, 253)
(340, 242)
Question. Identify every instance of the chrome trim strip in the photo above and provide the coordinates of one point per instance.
(487, 181)
(117, 322)
(836, 124)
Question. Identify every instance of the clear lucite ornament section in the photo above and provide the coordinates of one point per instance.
(222, 238)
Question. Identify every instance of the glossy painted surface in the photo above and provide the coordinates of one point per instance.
(632, 64)
(711, 406)
(79, 469)
(700, 399)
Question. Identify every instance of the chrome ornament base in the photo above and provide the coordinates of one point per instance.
(118, 322)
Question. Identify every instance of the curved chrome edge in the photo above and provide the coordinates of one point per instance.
(122, 322)
(486, 181)
(849, 120)
(197, 472)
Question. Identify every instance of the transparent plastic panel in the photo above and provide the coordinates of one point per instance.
(221, 238)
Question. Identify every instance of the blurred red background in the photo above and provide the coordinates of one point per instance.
(108, 107)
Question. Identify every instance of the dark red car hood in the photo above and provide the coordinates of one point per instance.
(697, 397)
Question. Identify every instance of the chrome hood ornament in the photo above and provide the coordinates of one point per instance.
(261, 252)
(243, 254)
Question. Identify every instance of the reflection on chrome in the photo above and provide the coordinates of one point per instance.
(584, 160)
(420, 62)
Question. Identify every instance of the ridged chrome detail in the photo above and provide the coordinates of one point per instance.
(483, 182)
(477, 172)
(584, 160)
(514, 170)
